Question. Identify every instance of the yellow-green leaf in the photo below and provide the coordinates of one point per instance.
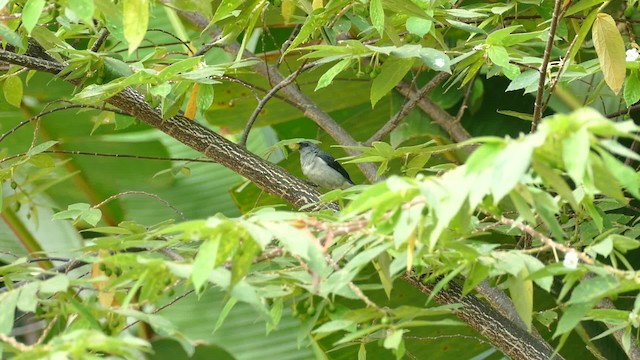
(610, 49)
(135, 21)
(287, 9)
(12, 89)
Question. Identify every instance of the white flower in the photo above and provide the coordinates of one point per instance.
(635, 319)
(570, 260)
(632, 54)
(439, 62)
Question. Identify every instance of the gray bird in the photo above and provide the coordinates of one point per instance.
(321, 168)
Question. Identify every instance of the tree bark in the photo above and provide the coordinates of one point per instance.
(500, 331)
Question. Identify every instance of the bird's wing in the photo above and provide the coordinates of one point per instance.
(329, 160)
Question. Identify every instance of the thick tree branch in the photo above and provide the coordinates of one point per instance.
(502, 333)
(267, 176)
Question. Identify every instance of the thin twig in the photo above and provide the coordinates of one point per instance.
(127, 156)
(178, 298)
(252, 119)
(465, 101)
(537, 111)
(558, 246)
(144, 193)
(630, 109)
(287, 43)
(68, 107)
(556, 80)
(47, 330)
(413, 99)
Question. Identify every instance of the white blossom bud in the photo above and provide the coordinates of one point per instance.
(571, 260)
(632, 54)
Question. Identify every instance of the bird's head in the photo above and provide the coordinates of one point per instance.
(306, 146)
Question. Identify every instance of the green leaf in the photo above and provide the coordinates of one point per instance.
(8, 301)
(418, 26)
(406, 225)
(624, 243)
(392, 72)
(594, 289)
(610, 50)
(517, 115)
(31, 13)
(10, 36)
(623, 173)
(334, 326)
(632, 88)
(556, 182)
(41, 147)
(376, 12)
(511, 165)
(12, 89)
(205, 97)
(28, 298)
(603, 247)
(204, 262)
(83, 9)
(328, 76)
(384, 272)
(181, 66)
(497, 36)
(225, 9)
(521, 290)
(514, 39)
(292, 239)
(435, 59)
(225, 312)
(56, 284)
(98, 93)
(393, 339)
(135, 21)
(575, 153)
(524, 80)
(483, 157)
(92, 216)
(572, 316)
(498, 55)
(546, 317)
(242, 259)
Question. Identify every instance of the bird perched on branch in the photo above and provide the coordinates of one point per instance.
(321, 168)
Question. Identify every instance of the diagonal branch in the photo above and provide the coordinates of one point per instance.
(413, 99)
(267, 176)
(502, 333)
(252, 119)
(447, 122)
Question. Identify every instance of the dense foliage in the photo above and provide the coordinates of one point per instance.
(493, 144)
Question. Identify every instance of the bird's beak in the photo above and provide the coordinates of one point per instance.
(294, 146)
